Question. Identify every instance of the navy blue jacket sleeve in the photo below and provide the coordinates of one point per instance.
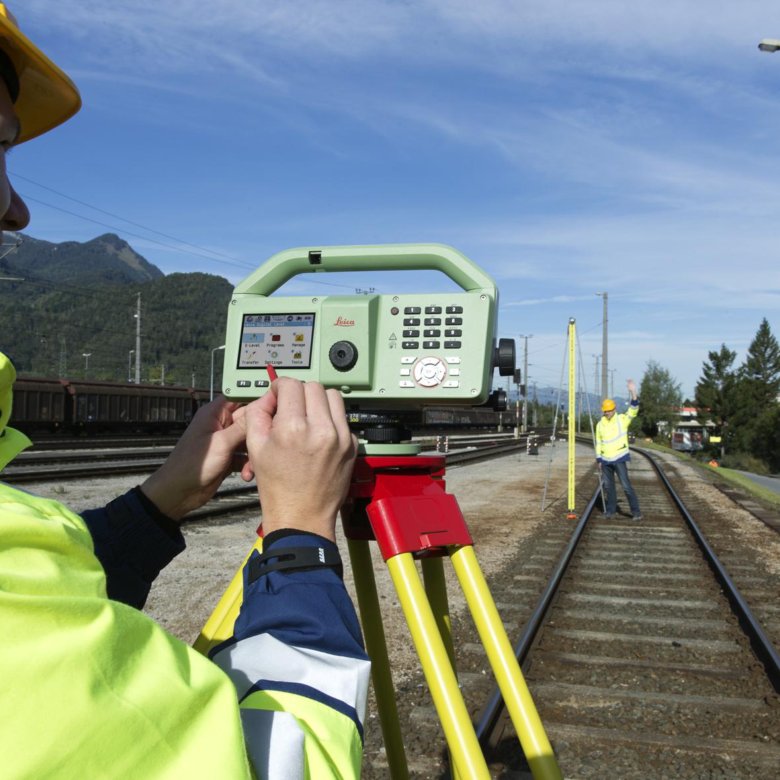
(133, 541)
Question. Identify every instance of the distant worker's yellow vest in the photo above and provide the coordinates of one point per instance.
(612, 435)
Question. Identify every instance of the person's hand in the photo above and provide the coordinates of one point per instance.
(203, 457)
(631, 385)
(302, 451)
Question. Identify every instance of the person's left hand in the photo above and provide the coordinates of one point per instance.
(206, 453)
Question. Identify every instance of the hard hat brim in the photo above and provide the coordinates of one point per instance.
(47, 96)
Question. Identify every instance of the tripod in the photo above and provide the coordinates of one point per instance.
(399, 500)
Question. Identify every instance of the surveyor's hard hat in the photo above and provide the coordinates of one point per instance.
(607, 405)
(43, 95)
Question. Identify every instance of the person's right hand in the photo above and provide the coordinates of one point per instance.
(302, 453)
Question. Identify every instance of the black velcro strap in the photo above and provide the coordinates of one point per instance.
(292, 558)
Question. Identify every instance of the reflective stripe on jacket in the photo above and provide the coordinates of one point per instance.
(612, 435)
(310, 665)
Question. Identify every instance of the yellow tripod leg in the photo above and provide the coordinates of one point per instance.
(219, 626)
(517, 697)
(376, 647)
(436, 590)
(458, 730)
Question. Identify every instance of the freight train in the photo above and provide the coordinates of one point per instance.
(74, 406)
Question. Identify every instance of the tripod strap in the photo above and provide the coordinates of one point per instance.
(292, 558)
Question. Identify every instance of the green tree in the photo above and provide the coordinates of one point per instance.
(660, 398)
(717, 392)
(762, 365)
(756, 419)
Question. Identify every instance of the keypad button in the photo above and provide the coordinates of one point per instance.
(431, 344)
(412, 310)
(451, 321)
(262, 383)
(433, 309)
(453, 360)
(451, 383)
(452, 344)
(243, 383)
(454, 310)
(453, 333)
(408, 359)
(411, 334)
(405, 372)
(432, 321)
(406, 383)
(410, 345)
(410, 322)
(432, 333)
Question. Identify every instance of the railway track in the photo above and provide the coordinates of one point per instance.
(646, 658)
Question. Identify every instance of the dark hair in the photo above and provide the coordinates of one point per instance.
(9, 75)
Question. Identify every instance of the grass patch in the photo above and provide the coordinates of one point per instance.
(746, 484)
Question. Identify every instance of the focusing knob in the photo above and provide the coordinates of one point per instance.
(504, 357)
(343, 355)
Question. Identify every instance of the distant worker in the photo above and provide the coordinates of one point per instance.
(94, 688)
(612, 452)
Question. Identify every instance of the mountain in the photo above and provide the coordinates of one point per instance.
(106, 259)
(68, 310)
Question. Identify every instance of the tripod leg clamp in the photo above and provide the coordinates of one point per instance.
(290, 558)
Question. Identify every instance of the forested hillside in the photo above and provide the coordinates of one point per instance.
(69, 310)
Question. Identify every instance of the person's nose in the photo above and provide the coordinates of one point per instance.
(17, 216)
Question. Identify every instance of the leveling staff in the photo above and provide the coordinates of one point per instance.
(92, 687)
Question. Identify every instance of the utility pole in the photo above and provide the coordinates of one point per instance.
(596, 385)
(138, 341)
(604, 358)
(525, 379)
(63, 357)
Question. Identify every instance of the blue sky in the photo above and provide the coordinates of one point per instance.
(566, 147)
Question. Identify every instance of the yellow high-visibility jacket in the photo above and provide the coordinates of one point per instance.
(93, 688)
(612, 435)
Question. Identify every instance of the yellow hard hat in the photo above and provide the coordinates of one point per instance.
(46, 96)
(607, 405)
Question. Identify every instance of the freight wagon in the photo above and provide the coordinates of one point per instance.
(73, 406)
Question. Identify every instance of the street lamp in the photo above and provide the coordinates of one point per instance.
(129, 365)
(211, 392)
(86, 356)
(770, 45)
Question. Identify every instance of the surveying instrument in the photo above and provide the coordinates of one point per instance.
(389, 356)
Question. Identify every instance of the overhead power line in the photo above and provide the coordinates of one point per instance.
(194, 249)
(124, 219)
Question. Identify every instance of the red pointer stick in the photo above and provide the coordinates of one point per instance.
(271, 372)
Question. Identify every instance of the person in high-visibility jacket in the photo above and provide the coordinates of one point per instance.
(94, 688)
(613, 454)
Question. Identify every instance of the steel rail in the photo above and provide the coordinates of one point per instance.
(494, 709)
(487, 725)
(762, 645)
